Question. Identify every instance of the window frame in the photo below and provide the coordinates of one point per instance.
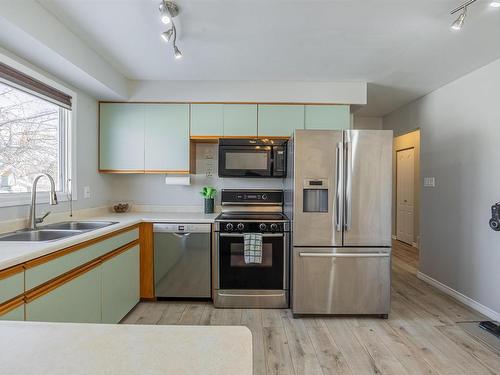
(67, 144)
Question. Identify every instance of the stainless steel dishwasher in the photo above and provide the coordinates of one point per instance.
(182, 265)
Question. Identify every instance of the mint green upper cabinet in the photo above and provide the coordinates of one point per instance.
(166, 137)
(77, 301)
(240, 120)
(327, 117)
(121, 137)
(280, 120)
(120, 285)
(207, 120)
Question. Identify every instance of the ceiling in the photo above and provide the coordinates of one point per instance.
(403, 49)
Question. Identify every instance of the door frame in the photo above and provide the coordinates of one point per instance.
(413, 243)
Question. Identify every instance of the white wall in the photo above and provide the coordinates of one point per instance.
(460, 138)
(85, 130)
(370, 123)
(35, 34)
(249, 91)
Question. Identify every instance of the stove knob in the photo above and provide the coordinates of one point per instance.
(264, 197)
(274, 226)
(240, 226)
(229, 227)
(262, 226)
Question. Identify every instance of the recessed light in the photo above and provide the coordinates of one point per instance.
(495, 4)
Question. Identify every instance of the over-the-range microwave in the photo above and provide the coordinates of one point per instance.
(252, 157)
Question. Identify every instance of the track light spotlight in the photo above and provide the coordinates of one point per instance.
(167, 35)
(164, 16)
(459, 22)
(168, 10)
(177, 52)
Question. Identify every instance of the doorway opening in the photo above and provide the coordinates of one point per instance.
(406, 194)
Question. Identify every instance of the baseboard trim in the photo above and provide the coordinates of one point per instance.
(490, 313)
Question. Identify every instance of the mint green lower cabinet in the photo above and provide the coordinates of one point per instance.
(240, 120)
(120, 285)
(166, 137)
(47, 271)
(16, 314)
(77, 301)
(11, 286)
(280, 120)
(207, 120)
(327, 117)
(121, 137)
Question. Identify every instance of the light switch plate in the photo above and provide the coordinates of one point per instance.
(86, 192)
(429, 182)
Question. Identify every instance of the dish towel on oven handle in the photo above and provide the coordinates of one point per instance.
(252, 248)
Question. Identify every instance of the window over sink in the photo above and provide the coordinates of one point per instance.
(34, 138)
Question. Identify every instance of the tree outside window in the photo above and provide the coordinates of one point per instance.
(32, 141)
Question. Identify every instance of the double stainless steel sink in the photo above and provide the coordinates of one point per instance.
(55, 231)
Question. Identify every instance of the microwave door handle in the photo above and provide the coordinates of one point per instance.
(338, 188)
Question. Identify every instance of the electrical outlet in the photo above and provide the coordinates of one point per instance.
(429, 182)
(86, 192)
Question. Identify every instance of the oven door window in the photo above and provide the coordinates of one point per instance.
(245, 161)
(236, 274)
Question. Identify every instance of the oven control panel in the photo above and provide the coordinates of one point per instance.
(251, 227)
(252, 197)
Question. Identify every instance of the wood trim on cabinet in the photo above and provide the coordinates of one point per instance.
(257, 103)
(56, 283)
(120, 250)
(143, 171)
(11, 305)
(161, 171)
(11, 271)
(124, 171)
(216, 137)
(146, 260)
(47, 258)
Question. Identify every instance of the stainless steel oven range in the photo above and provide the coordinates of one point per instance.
(239, 284)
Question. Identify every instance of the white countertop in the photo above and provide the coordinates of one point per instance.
(68, 348)
(13, 253)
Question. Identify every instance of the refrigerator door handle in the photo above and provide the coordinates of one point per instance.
(345, 255)
(348, 187)
(338, 180)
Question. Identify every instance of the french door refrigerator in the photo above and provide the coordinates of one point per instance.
(342, 186)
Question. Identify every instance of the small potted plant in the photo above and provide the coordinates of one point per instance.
(208, 193)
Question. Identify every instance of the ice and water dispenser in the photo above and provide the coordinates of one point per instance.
(315, 195)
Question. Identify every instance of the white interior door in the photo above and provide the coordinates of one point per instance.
(405, 202)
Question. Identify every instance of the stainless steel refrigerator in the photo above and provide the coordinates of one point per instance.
(340, 205)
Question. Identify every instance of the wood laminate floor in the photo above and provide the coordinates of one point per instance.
(420, 337)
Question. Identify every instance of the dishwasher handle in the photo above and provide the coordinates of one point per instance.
(181, 228)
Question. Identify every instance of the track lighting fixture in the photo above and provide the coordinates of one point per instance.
(169, 10)
(167, 35)
(459, 22)
(177, 53)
